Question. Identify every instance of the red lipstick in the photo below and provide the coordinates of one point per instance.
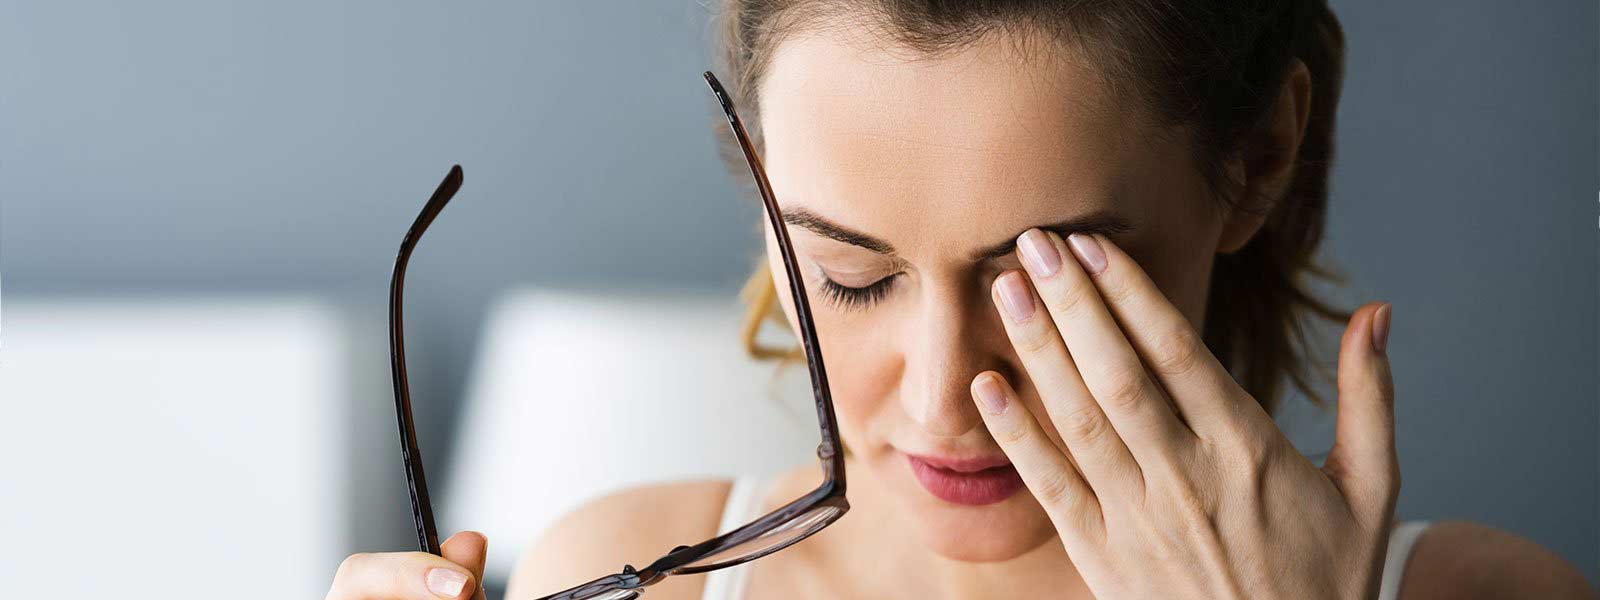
(970, 481)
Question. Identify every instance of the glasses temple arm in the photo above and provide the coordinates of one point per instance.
(833, 461)
(416, 481)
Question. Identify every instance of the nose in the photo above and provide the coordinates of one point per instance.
(950, 346)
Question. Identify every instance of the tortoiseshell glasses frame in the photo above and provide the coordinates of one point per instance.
(772, 532)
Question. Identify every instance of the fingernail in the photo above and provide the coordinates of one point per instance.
(1380, 329)
(1039, 253)
(1014, 295)
(989, 394)
(1088, 251)
(446, 583)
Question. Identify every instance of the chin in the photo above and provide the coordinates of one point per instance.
(992, 532)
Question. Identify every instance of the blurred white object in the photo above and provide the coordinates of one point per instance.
(171, 448)
(575, 394)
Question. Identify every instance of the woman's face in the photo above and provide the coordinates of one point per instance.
(906, 179)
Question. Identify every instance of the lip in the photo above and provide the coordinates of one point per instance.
(971, 481)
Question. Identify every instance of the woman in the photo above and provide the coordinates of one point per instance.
(1057, 254)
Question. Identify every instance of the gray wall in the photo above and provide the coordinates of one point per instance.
(228, 146)
(247, 146)
(1465, 191)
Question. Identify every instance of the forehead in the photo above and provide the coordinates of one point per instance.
(890, 138)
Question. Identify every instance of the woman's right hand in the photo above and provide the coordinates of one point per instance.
(458, 575)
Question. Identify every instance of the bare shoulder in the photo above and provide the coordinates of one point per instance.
(1457, 559)
(632, 526)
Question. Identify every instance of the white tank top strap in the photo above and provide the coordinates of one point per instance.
(1401, 541)
(743, 506)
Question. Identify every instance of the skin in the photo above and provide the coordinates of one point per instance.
(1150, 474)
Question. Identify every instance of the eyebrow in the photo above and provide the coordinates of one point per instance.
(1102, 222)
(819, 225)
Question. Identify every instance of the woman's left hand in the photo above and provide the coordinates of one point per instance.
(1174, 482)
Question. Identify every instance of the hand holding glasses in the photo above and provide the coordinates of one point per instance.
(775, 531)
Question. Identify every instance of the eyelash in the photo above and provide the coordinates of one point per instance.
(851, 298)
(861, 298)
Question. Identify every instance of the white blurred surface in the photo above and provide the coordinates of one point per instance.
(171, 448)
(576, 394)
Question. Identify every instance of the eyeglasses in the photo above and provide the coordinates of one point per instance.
(775, 531)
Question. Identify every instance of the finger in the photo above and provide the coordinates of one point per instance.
(1107, 362)
(401, 575)
(1057, 485)
(1201, 389)
(1363, 462)
(1102, 457)
(469, 549)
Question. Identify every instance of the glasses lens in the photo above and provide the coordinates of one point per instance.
(778, 538)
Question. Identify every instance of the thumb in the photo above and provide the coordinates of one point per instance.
(469, 549)
(1362, 462)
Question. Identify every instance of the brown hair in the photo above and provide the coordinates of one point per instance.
(1213, 68)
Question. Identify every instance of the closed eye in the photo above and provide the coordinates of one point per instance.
(854, 298)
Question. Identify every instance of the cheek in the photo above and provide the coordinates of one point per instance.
(864, 376)
(864, 366)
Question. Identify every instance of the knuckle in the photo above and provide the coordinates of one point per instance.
(1069, 299)
(1054, 489)
(349, 576)
(1115, 290)
(1124, 387)
(1033, 338)
(352, 564)
(1178, 353)
(1245, 422)
(1084, 423)
(1011, 435)
(1245, 453)
(1249, 451)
